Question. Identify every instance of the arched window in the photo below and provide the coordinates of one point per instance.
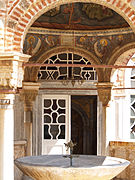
(67, 73)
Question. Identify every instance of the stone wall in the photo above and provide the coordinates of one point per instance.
(125, 150)
(19, 151)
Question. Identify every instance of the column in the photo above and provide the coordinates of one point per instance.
(28, 95)
(6, 136)
(11, 74)
(104, 93)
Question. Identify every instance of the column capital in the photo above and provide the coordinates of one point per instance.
(104, 92)
(28, 94)
(14, 56)
(11, 70)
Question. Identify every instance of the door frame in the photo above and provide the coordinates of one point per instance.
(37, 114)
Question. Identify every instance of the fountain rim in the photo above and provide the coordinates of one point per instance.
(122, 162)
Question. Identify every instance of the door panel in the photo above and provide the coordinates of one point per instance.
(55, 123)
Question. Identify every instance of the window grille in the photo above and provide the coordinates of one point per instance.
(54, 118)
(64, 73)
(132, 106)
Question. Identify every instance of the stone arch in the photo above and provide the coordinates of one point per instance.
(23, 13)
(121, 57)
(33, 72)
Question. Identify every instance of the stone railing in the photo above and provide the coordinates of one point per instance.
(125, 150)
(19, 151)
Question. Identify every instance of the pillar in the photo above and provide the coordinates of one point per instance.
(11, 75)
(6, 136)
(104, 93)
(28, 95)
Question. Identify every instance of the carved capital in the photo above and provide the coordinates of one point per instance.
(104, 92)
(28, 94)
(11, 70)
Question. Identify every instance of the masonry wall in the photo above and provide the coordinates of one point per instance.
(125, 150)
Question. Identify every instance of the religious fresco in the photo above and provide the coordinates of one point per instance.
(37, 44)
(101, 46)
(104, 46)
(80, 16)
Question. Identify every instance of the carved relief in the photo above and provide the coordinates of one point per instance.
(11, 76)
(11, 70)
(104, 92)
(28, 94)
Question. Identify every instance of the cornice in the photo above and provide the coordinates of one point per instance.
(36, 30)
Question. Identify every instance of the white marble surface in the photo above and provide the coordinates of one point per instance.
(57, 167)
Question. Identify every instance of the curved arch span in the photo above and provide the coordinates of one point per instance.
(122, 56)
(57, 50)
(23, 19)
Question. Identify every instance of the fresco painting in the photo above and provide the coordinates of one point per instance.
(80, 16)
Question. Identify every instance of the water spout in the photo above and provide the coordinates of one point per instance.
(70, 145)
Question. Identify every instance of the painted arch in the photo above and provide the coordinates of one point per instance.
(23, 13)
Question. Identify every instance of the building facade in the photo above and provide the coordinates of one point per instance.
(67, 72)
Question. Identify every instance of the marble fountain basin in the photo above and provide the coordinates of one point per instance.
(84, 167)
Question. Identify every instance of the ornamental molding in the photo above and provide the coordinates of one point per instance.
(11, 71)
(36, 30)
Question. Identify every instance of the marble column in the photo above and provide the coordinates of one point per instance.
(28, 95)
(104, 93)
(11, 75)
(6, 135)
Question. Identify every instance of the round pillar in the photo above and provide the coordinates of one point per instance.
(11, 76)
(6, 136)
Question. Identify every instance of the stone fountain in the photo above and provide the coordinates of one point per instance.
(71, 167)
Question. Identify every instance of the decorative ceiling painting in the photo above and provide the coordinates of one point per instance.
(80, 16)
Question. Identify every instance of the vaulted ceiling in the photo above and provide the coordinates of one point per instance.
(81, 16)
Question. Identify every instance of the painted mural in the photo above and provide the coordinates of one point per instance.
(101, 46)
(37, 44)
(104, 46)
(80, 16)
